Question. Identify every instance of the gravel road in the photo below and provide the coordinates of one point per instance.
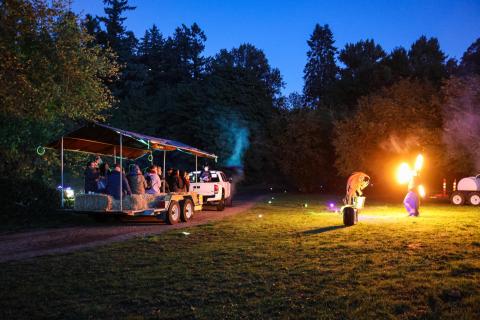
(27, 245)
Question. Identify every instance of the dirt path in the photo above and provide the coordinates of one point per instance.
(44, 242)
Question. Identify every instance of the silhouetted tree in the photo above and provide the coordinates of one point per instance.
(470, 63)
(187, 45)
(398, 63)
(427, 60)
(320, 72)
(363, 72)
(116, 36)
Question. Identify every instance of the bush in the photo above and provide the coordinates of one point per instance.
(27, 196)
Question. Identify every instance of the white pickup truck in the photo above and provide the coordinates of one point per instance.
(215, 187)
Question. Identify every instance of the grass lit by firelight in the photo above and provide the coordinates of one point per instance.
(278, 260)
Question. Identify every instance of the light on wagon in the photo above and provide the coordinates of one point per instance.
(69, 193)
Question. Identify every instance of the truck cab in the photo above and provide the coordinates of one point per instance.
(214, 186)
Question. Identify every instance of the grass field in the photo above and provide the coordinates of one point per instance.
(278, 260)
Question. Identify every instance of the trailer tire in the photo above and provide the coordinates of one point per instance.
(173, 213)
(474, 198)
(221, 203)
(349, 216)
(188, 210)
(458, 198)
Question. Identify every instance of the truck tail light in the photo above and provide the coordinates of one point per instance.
(215, 188)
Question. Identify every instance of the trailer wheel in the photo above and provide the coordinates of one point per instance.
(221, 204)
(474, 198)
(458, 198)
(173, 214)
(188, 210)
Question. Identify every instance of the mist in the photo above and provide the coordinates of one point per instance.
(461, 127)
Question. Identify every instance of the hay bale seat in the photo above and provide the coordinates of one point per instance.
(103, 202)
(92, 202)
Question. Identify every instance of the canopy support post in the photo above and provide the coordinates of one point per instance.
(61, 170)
(164, 170)
(121, 174)
(114, 154)
(196, 168)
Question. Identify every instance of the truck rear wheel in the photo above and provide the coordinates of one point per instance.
(221, 204)
(458, 198)
(188, 210)
(229, 201)
(173, 214)
(474, 198)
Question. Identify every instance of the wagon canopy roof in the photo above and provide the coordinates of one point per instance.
(105, 140)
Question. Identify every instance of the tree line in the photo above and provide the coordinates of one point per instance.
(361, 108)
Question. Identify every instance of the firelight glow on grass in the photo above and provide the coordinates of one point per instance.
(291, 264)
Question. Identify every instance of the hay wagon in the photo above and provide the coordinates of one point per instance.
(100, 139)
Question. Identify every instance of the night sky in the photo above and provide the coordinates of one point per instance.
(281, 28)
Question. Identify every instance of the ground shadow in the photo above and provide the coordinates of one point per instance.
(322, 230)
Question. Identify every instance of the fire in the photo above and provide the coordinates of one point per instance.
(404, 173)
(418, 163)
(421, 191)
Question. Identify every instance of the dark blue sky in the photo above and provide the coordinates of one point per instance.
(281, 28)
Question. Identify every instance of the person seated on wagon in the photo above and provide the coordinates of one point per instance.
(137, 181)
(170, 179)
(113, 185)
(153, 180)
(164, 187)
(206, 175)
(103, 177)
(178, 184)
(91, 177)
(186, 181)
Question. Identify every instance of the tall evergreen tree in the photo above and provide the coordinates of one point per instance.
(116, 36)
(187, 44)
(320, 72)
(470, 63)
(427, 60)
(92, 25)
(249, 61)
(151, 55)
(363, 73)
(398, 63)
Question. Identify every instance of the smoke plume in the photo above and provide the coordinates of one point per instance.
(240, 145)
(399, 145)
(238, 137)
(461, 114)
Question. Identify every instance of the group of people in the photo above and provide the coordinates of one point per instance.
(100, 179)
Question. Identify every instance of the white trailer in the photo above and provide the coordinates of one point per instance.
(468, 191)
